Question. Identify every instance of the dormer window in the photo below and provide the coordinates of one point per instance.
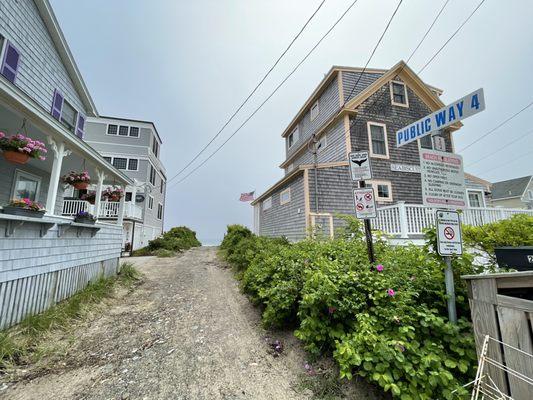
(315, 111)
(293, 137)
(398, 93)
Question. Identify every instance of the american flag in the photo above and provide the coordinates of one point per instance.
(247, 196)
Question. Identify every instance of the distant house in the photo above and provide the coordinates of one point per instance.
(134, 147)
(349, 111)
(513, 193)
(478, 191)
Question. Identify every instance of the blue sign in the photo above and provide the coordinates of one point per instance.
(446, 116)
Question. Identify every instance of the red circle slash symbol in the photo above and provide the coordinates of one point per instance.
(368, 196)
(449, 233)
(360, 207)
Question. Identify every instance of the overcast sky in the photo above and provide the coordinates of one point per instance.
(186, 65)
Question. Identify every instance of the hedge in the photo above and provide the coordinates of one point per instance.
(386, 322)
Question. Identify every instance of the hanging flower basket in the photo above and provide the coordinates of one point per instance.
(15, 157)
(18, 149)
(83, 217)
(90, 197)
(80, 180)
(113, 193)
(24, 208)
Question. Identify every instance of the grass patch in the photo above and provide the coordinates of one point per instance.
(164, 253)
(325, 385)
(23, 343)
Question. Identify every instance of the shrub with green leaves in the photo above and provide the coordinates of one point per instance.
(515, 231)
(386, 322)
(175, 240)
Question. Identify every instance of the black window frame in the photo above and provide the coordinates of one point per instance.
(125, 163)
(115, 128)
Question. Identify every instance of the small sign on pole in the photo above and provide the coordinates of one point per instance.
(443, 179)
(360, 169)
(449, 233)
(449, 243)
(365, 203)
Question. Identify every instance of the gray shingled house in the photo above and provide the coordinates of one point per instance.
(341, 116)
(516, 193)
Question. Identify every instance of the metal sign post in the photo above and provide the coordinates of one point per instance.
(449, 243)
(364, 199)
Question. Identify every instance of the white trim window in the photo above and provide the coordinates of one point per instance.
(26, 186)
(123, 130)
(382, 190)
(398, 94)
(69, 116)
(293, 137)
(150, 202)
(377, 139)
(267, 203)
(475, 198)
(285, 196)
(315, 110)
(123, 163)
(159, 211)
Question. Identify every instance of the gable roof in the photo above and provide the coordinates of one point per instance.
(510, 188)
(478, 180)
(51, 23)
(334, 73)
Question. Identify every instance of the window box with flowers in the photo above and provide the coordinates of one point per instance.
(18, 149)
(83, 217)
(24, 208)
(113, 193)
(80, 180)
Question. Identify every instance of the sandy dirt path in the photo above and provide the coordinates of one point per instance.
(185, 333)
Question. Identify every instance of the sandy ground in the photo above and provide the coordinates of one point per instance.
(185, 333)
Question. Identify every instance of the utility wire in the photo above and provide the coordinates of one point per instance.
(271, 94)
(497, 127)
(510, 162)
(451, 37)
(251, 93)
(522, 136)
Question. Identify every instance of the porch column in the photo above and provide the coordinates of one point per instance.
(98, 195)
(134, 191)
(59, 151)
(120, 218)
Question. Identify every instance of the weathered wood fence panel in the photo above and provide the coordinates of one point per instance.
(507, 319)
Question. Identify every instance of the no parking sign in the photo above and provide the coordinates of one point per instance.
(365, 203)
(449, 233)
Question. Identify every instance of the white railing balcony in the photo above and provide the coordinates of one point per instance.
(108, 209)
(72, 207)
(405, 220)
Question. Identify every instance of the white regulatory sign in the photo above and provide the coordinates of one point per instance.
(360, 165)
(446, 116)
(443, 179)
(365, 203)
(449, 233)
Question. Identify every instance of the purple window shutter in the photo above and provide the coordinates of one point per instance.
(10, 63)
(57, 104)
(80, 126)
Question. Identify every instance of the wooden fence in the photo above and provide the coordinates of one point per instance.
(499, 311)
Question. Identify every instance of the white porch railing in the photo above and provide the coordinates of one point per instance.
(404, 220)
(108, 209)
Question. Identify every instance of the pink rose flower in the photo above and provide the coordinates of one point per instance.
(391, 292)
(379, 267)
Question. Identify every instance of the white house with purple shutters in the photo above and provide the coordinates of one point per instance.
(46, 258)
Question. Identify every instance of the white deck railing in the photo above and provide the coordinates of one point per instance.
(108, 209)
(411, 219)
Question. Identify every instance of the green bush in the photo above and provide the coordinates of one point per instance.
(145, 251)
(389, 326)
(163, 253)
(176, 239)
(515, 231)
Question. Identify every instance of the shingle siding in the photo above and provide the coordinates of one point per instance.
(328, 104)
(335, 149)
(41, 69)
(406, 186)
(285, 219)
(349, 79)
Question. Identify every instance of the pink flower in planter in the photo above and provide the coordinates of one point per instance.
(391, 292)
(2, 135)
(42, 158)
(379, 267)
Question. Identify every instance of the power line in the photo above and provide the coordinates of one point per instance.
(251, 93)
(272, 94)
(522, 136)
(498, 126)
(373, 52)
(451, 37)
(510, 162)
